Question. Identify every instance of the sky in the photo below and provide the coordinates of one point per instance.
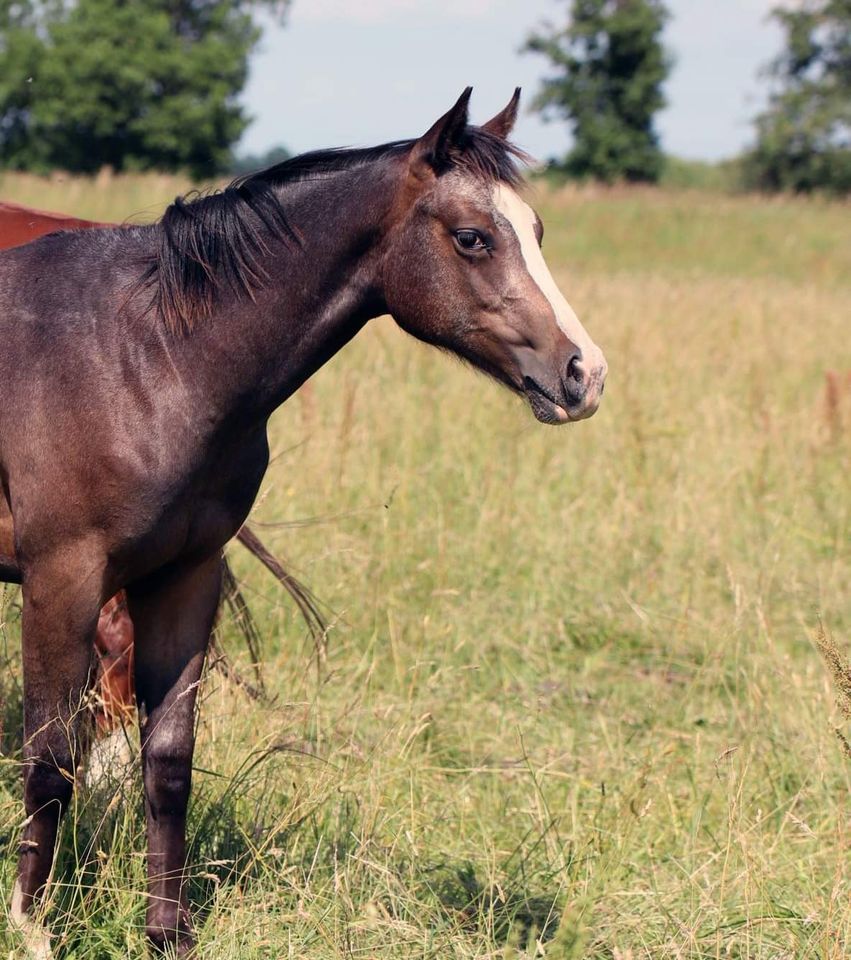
(361, 72)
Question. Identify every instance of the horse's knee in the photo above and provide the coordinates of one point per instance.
(168, 776)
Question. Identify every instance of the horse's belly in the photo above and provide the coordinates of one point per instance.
(205, 515)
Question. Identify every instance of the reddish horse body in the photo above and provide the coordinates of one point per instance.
(19, 224)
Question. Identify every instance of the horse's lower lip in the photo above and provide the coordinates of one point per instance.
(545, 408)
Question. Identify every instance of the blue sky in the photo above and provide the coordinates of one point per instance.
(359, 72)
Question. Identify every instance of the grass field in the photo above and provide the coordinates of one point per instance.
(571, 704)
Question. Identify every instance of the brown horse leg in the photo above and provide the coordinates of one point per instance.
(173, 620)
(114, 700)
(59, 619)
(114, 647)
(10, 571)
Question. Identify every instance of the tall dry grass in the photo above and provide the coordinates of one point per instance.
(134, 198)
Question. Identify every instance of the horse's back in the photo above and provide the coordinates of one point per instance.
(60, 299)
(62, 278)
(41, 293)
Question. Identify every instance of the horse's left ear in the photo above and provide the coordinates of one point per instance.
(503, 123)
(434, 151)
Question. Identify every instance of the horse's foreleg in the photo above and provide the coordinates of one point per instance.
(59, 617)
(173, 620)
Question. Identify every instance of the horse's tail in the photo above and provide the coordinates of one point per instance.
(245, 622)
(232, 595)
(304, 598)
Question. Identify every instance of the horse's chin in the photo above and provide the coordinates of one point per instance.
(546, 410)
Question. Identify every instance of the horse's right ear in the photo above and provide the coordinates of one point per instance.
(434, 151)
(503, 123)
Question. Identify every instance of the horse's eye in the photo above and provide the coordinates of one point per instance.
(470, 240)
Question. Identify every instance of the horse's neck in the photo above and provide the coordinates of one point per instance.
(320, 294)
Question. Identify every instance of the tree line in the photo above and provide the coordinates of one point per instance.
(154, 84)
(608, 66)
(132, 84)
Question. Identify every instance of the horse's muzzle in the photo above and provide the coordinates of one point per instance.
(583, 384)
(574, 396)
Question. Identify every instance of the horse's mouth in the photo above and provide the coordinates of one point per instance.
(545, 407)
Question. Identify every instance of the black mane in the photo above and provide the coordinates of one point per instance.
(213, 241)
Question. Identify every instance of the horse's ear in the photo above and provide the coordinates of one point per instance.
(434, 151)
(503, 123)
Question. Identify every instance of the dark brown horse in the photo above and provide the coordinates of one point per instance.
(140, 366)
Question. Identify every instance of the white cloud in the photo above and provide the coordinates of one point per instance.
(382, 11)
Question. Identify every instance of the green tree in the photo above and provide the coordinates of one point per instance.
(608, 69)
(135, 84)
(804, 137)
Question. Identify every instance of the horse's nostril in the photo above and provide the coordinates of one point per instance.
(574, 370)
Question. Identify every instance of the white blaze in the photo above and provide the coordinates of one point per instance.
(522, 218)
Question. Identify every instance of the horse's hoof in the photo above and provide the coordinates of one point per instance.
(36, 940)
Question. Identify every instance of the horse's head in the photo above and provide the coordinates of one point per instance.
(464, 269)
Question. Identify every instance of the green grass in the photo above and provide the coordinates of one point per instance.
(717, 176)
(571, 705)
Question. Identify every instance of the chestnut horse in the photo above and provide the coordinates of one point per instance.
(19, 224)
(140, 366)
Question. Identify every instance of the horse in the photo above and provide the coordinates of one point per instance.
(140, 367)
(20, 224)
(114, 698)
